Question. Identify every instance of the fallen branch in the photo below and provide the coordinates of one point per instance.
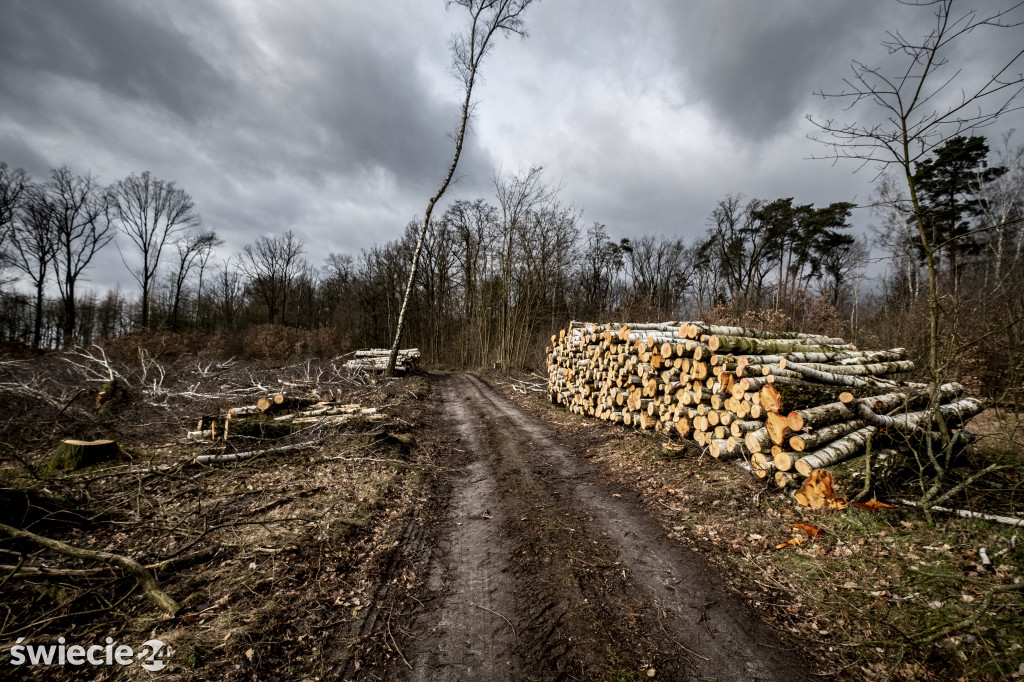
(514, 633)
(46, 572)
(12, 570)
(236, 456)
(145, 578)
(1007, 520)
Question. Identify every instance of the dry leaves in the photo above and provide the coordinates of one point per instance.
(812, 531)
(873, 505)
(794, 541)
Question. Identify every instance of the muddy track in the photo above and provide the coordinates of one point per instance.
(541, 572)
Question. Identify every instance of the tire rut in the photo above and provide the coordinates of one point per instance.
(469, 638)
(547, 575)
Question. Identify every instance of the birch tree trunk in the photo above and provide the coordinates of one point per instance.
(487, 17)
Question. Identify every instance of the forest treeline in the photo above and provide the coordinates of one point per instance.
(497, 276)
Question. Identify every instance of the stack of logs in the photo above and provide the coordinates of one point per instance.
(376, 359)
(787, 403)
(283, 408)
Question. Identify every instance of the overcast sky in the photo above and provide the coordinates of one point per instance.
(332, 118)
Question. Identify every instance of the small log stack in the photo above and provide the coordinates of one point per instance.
(788, 403)
(279, 408)
(376, 359)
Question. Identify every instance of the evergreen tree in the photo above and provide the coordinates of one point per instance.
(945, 184)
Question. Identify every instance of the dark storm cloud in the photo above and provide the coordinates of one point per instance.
(332, 119)
(755, 65)
(330, 91)
(131, 50)
(269, 104)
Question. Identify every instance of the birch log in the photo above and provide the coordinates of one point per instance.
(842, 448)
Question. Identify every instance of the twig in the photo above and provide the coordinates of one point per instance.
(383, 460)
(678, 644)
(514, 634)
(79, 614)
(68, 403)
(393, 637)
(867, 471)
(969, 620)
(14, 570)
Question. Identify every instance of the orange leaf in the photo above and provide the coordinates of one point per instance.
(792, 542)
(812, 531)
(873, 505)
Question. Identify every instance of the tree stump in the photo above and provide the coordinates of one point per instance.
(112, 395)
(77, 454)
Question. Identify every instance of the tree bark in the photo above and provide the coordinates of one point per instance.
(842, 448)
(808, 441)
(751, 346)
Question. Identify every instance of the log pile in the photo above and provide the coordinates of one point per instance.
(787, 403)
(279, 409)
(376, 359)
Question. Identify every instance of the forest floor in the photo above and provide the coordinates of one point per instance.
(473, 532)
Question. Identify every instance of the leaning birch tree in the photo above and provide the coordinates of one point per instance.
(910, 107)
(487, 18)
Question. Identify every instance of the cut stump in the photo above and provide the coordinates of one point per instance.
(77, 454)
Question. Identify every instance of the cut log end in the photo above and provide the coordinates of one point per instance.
(784, 479)
(778, 428)
(817, 491)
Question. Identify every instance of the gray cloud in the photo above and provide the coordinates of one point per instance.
(333, 119)
(755, 66)
(129, 50)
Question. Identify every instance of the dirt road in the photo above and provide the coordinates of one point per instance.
(541, 572)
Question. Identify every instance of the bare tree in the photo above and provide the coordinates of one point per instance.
(12, 189)
(33, 240)
(911, 126)
(228, 290)
(271, 265)
(741, 248)
(913, 109)
(521, 197)
(1001, 201)
(473, 224)
(897, 234)
(201, 262)
(150, 212)
(82, 227)
(486, 18)
(192, 248)
(659, 272)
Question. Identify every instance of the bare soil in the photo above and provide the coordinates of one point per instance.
(475, 532)
(541, 571)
